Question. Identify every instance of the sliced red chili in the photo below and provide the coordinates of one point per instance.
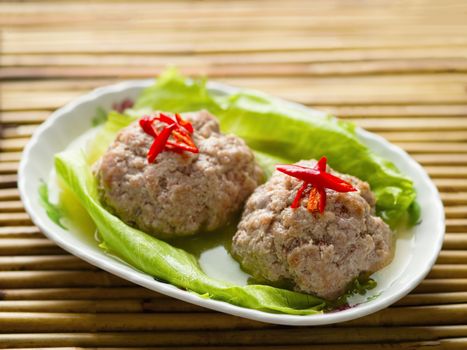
(321, 165)
(335, 183)
(298, 196)
(298, 171)
(174, 148)
(165, 118)
(322, 201)
(319, 179)
(182, 147)
(186, 124)
(180, 130)
(181, 136)
(314, 200)
(146, 124)
(159, 142)
(179, 120)
(316, 177)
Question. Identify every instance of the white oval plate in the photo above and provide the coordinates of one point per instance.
(415, 252)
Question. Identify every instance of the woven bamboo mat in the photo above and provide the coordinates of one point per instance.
(397, 68)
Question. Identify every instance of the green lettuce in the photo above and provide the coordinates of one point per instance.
(278, 132)
(54, 212)
(165, 262)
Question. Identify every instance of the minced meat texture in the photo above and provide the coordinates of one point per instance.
(319, 254)
(178, 194)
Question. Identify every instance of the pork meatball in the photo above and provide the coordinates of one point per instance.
(178, 194)
(317, 253)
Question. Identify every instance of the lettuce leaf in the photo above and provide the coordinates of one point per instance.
(280, 131)
(165, 262)
(54, 212)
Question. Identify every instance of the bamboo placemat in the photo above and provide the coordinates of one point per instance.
(397, 68)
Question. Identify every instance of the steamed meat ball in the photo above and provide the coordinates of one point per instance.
(178, 194)
(317, 253)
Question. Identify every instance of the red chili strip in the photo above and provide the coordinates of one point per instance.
(319, 179)
(146, 124)
(298, 196)
(321, 165)
(322, 199)
(316, 177)
(165, 118)
(335, 183)
(182, 147)
(179, 120)
(184, 123)
(159, 142)
(314, 200)
(180, 130)
(181, 136)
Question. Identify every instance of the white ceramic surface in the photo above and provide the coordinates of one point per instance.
(411, 265)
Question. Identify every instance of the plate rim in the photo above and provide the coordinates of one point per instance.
(173, 291)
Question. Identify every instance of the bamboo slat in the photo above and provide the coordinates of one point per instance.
(83, 322)
(78, 293)
(447, 271)
(442, 285)
(158, 305)
(13, 206)
(8, 180)
(436, 54)
(88, 316)
(20, 232)
(9, 194)
(8, 167)
(361, 346)
(58, 278)
(249, 70)
(433, 148)
(457, 211)
(147, 296)
(297, 336)
(16, 144)
(18, 131)
(456, 225)
(24, 117)
(414, 316)
(436, 159)
(446, 314)
(452, 257)
(433, 299)
(447, 171)
(172, 305)
(10, 156)
(248, 45)
(455, 241)
(27, 246)
(458, 198)
(43, 262)
(14, 219)
(438, 344)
